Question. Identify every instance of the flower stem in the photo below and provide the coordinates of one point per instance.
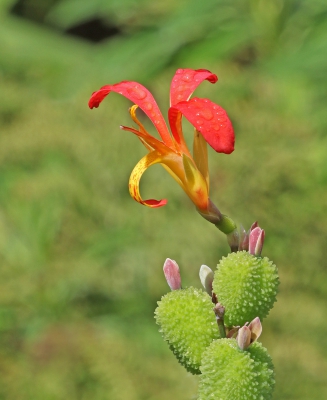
(219, 311)
(221, 328)
(224, 223)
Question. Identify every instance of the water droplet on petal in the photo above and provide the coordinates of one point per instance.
(207, 114)
(148, 106)
(139, 94)
(188, 77)
(199, 121)
(181, 88)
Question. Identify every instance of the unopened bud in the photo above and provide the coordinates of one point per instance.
(255, 328)
(172, 274)
(244, 337)
(249, 333)
(244, 239)
(206, 277)
(254, 225)
(232, 333)
(233, 240)
(256, 240)
(219, 311)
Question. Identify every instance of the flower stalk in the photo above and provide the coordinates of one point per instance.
(219, 311)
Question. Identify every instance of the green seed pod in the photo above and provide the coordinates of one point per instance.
(231, 373)
(246, 286)
(188, 324)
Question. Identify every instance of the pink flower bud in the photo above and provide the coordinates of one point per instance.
(244, 239)
(248, 333)
(172, 275)
(233, 332)
(254, 225)
(256, 240)
(244, 337)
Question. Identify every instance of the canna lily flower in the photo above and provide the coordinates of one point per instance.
(211, 124)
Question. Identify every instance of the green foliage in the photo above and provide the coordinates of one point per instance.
(78, 255)
(246, 286)
(188, 324)
(231, 373)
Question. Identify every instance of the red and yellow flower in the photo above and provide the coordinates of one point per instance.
(211, 124)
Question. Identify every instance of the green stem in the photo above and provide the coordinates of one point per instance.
(221, 328)
(219, 311)
(224, 223)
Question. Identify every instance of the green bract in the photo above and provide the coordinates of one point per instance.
(188, 324)
(246, 286)
(231, 373)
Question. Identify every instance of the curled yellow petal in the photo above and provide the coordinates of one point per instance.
(132, 112)
(134, 180)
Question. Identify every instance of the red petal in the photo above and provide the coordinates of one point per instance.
(155, 203)
(209, 119)
(139, 95)
(186, 81)
(175, 122)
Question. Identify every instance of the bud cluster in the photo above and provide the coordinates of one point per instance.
(209, 331)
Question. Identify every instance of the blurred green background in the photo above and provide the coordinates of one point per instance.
(81, 262)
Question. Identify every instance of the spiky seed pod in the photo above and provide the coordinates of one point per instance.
(246, 285)
(188, 324)
(231, 373)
